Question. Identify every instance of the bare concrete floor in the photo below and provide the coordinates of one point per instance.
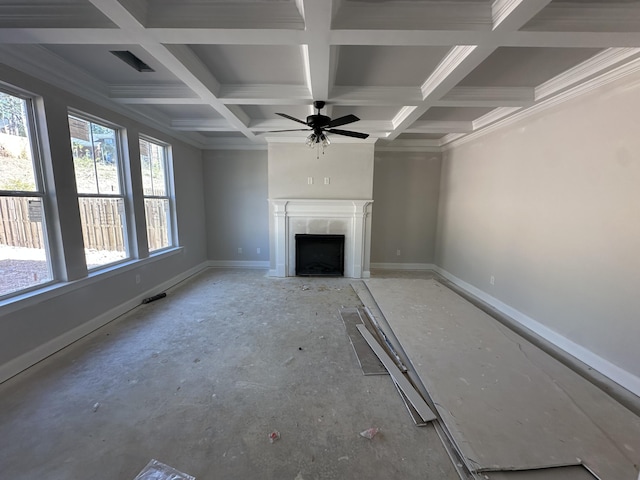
(199, 379)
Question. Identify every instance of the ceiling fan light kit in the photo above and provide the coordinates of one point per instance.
(321, 125)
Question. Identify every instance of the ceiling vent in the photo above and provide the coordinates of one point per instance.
(130, 59)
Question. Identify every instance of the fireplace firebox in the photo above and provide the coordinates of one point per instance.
(319, 255)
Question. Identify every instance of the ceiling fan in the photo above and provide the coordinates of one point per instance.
(320, 125)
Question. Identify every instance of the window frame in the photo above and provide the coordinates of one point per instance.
(125, 194)
(40, 191)
(169, 194)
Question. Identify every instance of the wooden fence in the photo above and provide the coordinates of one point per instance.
(101, 223)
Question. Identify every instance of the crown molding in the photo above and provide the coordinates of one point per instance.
(596, 65)
(493, 116)
(576, 91)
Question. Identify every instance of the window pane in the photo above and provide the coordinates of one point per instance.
(152, 159)
(105, 154)
(16, 160)
(95, 157)
(23, 253)
(158, 220)
(103, 230)
(157, 170)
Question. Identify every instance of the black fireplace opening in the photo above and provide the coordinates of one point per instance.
(319, 255)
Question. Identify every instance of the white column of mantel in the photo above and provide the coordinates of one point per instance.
(281, 234)
(360, 212)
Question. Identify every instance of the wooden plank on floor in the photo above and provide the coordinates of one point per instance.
(369, 362)
(502, 410)
(416, 400)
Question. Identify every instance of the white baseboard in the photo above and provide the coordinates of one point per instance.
(620, 376)
(403, 266)
(238, 264)
(30, 358)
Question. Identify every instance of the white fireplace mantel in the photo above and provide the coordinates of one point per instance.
(351, 218)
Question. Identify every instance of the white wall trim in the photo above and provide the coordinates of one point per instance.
(30, 358)
(403, 266)
(257, 264)
(622, 377)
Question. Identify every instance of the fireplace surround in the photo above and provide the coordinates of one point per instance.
(351, 218)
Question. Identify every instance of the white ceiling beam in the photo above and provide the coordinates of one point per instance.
(456, 65)
(379, 96)
(180, 60)
(317, 17)
(115, 36)
(152, 93)
(430, 126)
(487, 97)
(486, 38)
(202, 125)
(223, 36)
(265, 94)
(463, 59)
(513, 14)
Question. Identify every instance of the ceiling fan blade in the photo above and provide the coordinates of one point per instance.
(348, 133)
(336, 122)
(291, 118)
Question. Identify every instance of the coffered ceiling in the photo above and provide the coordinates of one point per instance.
(417, 73)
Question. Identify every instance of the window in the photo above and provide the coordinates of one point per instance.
(98, 170)
(24, 252)
(157, 200)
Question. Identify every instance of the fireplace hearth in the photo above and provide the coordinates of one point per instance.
(320, 255)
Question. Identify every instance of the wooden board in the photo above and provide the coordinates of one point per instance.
(503, 411)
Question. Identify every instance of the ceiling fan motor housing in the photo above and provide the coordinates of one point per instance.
(318, 121)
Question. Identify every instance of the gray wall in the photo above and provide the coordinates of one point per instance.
(31, 328)
(550, 207)
(236, 205)
(349, 168)
(405, 193)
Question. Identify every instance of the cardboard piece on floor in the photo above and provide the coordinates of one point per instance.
(502, 410)
(416, 400)
(156, 470)
(369, 362)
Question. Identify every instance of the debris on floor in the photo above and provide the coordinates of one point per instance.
(370, 432)
(96, 406)
(154, 298)
(305, 287)
(156, 470)
(274, 436)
